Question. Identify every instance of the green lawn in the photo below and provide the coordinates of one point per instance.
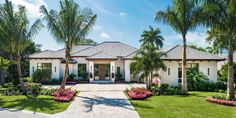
(44, 104)
(192, 106)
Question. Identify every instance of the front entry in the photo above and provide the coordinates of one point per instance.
(102, 72)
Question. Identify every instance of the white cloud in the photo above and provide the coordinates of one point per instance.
(104, 35)
(32, 6)
(123, 14)
(119, 33)
(98, 27)
(195, 38)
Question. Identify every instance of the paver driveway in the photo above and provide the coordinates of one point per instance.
(94, 101)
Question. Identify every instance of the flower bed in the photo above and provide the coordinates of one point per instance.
(221, 101)
(139, 93)
(64, 95)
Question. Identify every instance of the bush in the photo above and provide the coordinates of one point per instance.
(165, 89)
(33, 88)
(197, 81)
(71, 77)
(64, 95)
(118, 76)
(84, 75)
(41, 76)
(138, 93)
(27, 79)
(10, 91)
(47, 91)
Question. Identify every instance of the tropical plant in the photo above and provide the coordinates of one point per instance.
(147, 59)
(14, 26)
(41, 76)
(223, 73)
(197, 48)
(70, 26)
(181, 16)
(220, 16)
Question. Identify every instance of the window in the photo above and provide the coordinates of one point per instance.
(45, 66)
(33, 69)
(96, 72)
(168, 71)
(81, 69)
(194, 66)
(208, 71)
(107, 67)
(117, 69)
(55, 69)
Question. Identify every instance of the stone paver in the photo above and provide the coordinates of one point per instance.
(13, 113)
(112, 104)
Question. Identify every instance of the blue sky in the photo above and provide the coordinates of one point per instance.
(117, 20)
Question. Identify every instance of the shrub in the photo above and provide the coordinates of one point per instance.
(118, 76)
(41, 76)
(10, 91)
(71, 77)
(84, 75)
(64, 95)
(27, 79)
(165, 89)
(221, 101)
(138, 93)
(33, 88)
(47, 91)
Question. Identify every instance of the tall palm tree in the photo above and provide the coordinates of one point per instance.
(182, 18)
(14, 26)
(148, 58)
(69, 26)
(221, 15)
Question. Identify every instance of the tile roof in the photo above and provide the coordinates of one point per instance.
(175, 53)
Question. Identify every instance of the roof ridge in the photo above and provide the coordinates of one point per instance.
(82, 50)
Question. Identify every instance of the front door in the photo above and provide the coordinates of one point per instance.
(102, 72)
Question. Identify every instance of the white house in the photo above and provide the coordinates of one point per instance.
(104, 60)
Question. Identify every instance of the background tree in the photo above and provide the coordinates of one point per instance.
(15, 28)
(148, 58)
(220, 16)
(69, 26)
(181, 16)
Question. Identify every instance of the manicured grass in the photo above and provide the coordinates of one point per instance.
(45, 104)
(192, 106)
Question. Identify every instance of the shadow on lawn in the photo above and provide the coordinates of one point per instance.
(98, 100)
(32, 103)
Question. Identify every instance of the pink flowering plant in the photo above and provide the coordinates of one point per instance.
(139, 93)
(64, 95)
(221, 100)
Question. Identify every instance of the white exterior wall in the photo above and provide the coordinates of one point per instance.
(127, 70)
(91, 70)
(54, 62)
(172, 79)
(120, 64)
(113, 65)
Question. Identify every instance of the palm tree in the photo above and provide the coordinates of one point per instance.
(16, 31)
(182, 18)
(148, 58)
(220, 15)
(69, 26)
(152, 37)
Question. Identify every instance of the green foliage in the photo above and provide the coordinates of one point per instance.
(47, 91)
(41, 75)
(197, 81)
(119, 76)
(220, 97)
(33, 88)
(27, 79)
(72, 77)
(164, 89)
(223, 73)
(84, 75)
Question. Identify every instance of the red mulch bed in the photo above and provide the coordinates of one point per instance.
(138, 93)
(223, 102)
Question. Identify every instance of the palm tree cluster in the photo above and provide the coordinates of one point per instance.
(218, 15)
(147, 61)
(69, 26)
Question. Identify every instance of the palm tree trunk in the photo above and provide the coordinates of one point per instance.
(230, 81)
(1, 71)
(184, 78)
(18, 59)
(63, 84)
